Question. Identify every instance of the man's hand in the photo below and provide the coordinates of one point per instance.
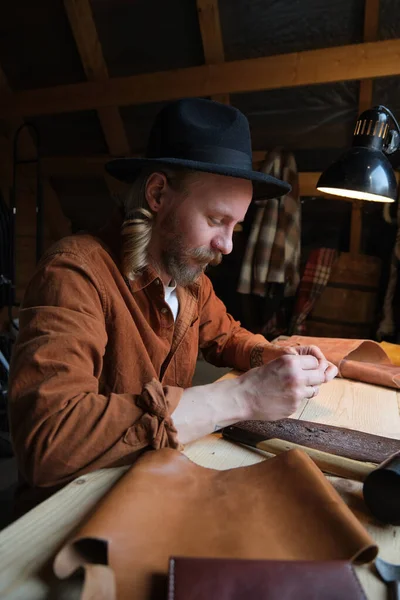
(276, 389)
(267, 392)
(265, 354)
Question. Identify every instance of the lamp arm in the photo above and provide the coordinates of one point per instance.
(391, 115)
(394, 142)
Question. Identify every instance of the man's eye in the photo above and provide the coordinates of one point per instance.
(214, 220)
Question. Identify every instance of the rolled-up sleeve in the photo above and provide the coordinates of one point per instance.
(61, 425)
(223, 341)
(155, 427)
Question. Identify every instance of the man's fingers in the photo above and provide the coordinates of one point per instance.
(311, 391)
(331, 372)
(315, 377)
(312, 350)
(315, 351)
(306, 362)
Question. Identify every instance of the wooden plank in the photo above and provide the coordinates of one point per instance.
(371, 25)
(210, 29)
(45, 530)
(371, 20)
(355, 61)
(76, 166)
(356, 405)
(356, 227)
(211, 35)
(81, 166)
(84, 30)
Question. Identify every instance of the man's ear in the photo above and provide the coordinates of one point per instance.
(156, 186)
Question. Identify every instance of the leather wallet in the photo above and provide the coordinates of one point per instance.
(233, 579)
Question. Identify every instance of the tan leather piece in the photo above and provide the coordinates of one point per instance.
(362, 360)
(99, 583)
(165, 505)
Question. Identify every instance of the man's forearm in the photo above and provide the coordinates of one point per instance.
(206, 408)
(270, 392)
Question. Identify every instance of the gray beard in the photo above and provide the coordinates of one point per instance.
(186, 266)
(182, 273)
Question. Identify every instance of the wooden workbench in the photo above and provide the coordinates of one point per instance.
(29, 543)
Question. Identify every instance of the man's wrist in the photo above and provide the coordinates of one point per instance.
(256, 356)
(262, 354)
(232, 401)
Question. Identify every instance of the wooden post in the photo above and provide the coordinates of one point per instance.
(213, 46)
(371, 24)
(356, 227)
(84, 30)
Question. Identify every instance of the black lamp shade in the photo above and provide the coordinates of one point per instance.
(364, 172)
(361, 173)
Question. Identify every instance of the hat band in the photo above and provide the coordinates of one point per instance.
(211, 154)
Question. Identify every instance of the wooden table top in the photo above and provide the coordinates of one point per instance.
(30, 542)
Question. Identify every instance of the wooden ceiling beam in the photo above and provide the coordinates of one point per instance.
(343, 63)
(84, 30)
(93, 166)
(211, 35)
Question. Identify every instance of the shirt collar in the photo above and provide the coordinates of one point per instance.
(143, 279)
(149, 275)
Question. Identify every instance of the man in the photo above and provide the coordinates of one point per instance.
(110, 325)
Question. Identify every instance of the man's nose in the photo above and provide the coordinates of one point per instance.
(223, 244)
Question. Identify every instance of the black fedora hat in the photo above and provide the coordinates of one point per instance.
(202, 135)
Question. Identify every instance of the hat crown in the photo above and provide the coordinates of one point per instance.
(201, 135)
(199, 125)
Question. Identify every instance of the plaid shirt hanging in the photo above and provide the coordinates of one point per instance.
(315, 278)
(273, 248)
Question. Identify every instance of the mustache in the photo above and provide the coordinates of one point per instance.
(204, 255)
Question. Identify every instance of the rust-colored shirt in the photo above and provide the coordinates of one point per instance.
(99, 364)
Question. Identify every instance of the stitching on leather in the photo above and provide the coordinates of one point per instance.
(171, 583)
(358, 583)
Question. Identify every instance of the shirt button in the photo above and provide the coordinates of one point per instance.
(164, 310)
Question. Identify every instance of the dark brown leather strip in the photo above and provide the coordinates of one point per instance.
(334, 440)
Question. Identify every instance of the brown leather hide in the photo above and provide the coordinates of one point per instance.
(165, 505)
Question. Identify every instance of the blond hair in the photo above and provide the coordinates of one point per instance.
(139, 219)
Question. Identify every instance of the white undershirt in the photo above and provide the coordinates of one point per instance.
(171, 299)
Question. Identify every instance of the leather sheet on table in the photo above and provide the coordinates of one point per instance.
(362, 360)
(166, 505)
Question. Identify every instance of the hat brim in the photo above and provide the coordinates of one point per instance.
(264, 186)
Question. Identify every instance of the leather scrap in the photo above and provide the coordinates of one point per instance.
(362, 360)
(166, 505)
(340, 441)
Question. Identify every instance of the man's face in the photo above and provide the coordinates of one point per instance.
(196, 229)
